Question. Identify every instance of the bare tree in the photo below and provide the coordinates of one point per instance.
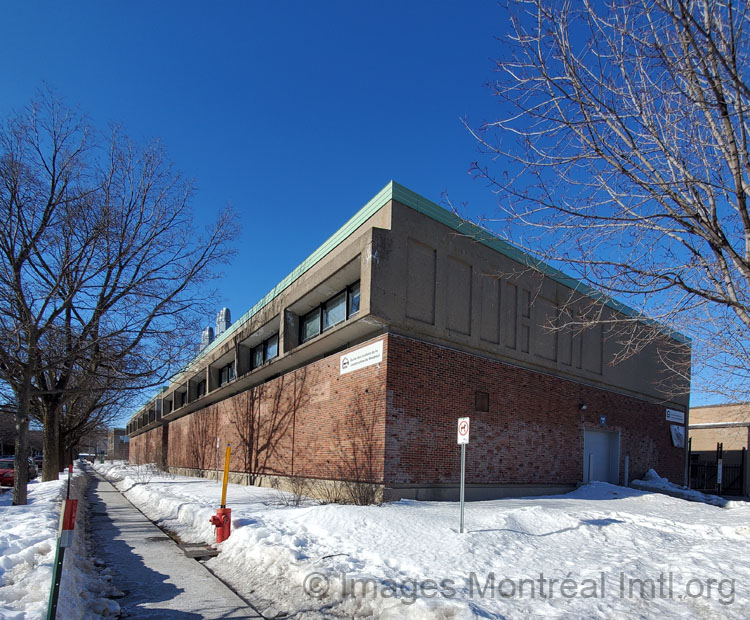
(621, 152)
(101, 268)
(244, 415)
(264, 418)
(202, 432)
(360, 441)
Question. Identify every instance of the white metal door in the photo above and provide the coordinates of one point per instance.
(601, 452)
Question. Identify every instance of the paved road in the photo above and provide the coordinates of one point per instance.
(159, 581)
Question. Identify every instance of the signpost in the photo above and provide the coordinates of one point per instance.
(719, 473)
(463, 439)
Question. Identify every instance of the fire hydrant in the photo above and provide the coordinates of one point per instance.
(222, 520)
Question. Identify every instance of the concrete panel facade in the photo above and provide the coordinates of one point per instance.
(465, 293)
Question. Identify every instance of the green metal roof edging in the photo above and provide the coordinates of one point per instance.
(343, 233)
(399, 193)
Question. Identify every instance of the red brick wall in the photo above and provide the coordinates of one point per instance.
(316, 423)
(147, 447)
(312, 422)
(532, 434)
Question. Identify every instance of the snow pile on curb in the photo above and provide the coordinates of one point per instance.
(654, 482)
(602, 551)
(28, 540)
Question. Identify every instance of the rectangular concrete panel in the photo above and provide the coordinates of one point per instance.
(489, 309)
(458, 299)
(420, 282)
(592, 349)
(510, 315)
(524, 329)
(565, 340)
(545, 322)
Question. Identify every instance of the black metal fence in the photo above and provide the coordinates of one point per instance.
(704, 475)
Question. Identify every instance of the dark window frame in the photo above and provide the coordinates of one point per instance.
(336, 303)
(320, 309)
(262, 347)
(226, 373)
(267, 347)
(200, 389)
(349, 298)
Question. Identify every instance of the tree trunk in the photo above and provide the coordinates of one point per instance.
(62, 458)
(51, 447)
(21, 465)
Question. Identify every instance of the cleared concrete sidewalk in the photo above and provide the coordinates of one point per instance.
(158, 580)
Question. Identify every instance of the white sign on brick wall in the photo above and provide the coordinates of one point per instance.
(362, 357)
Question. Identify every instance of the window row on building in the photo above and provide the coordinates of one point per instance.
(227, 373)
(264, 352)
(342, 306)
(331, 312)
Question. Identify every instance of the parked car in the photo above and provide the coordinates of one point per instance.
(6, 472)
(38, 461)
(7, 467)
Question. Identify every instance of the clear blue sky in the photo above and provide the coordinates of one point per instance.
(296, 113)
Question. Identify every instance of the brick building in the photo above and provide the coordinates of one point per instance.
(356, 366)
(117, 444)
(8, 434)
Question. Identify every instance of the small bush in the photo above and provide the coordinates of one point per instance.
(297, 489)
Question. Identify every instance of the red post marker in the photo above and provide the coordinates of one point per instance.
(68, 522)
(64, 539)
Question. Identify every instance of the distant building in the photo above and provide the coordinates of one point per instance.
(357, 365)
(207, 337)
(8, 435)
(118, 443)
(720, 431)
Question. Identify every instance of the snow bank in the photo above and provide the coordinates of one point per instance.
(601, 551)
(654, 482)
(28, 540)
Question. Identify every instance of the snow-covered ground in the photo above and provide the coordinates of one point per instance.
(28, 539)
(654, 482)
(600, 552)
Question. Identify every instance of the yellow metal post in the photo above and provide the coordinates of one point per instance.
(226, 477)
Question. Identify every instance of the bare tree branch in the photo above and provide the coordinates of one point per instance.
(103, 276)
(621, 154)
